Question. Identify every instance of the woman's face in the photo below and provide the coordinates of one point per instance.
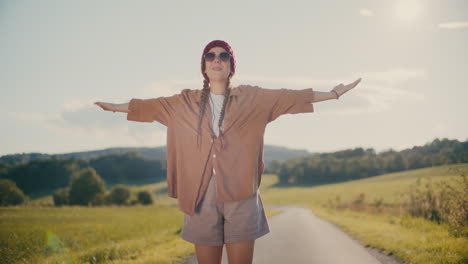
(217, 70)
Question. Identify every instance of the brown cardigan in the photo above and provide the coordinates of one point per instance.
(236, 158)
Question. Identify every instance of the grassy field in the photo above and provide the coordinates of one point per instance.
(388, 187)
(72, 234)
(151, 234)
(411, 239)
(90, 234)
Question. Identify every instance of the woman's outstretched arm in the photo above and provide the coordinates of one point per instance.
(113, 107)
(160, 109)
(322, 96)
(335, 93)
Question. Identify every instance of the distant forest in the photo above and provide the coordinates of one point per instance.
(358, 163)
(48, 174)
(39, 173)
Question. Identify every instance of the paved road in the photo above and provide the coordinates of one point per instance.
(298, 236)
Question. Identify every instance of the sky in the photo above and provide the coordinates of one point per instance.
(59, 57)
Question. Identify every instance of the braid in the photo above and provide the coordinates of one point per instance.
(204, 97)
(226, 99)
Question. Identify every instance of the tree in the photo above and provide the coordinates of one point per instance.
(144, 197)
(61, 196)
(43, 175)
(120, 194)
(10, 194)
(283, 174)
(84, 187)
(274, 167)
(101, 199)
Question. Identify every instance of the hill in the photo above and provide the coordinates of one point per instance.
(270, 153)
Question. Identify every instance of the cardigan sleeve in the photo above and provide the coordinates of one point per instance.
(286, 101)
(160, 109)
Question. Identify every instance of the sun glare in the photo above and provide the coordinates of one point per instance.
(408, 10)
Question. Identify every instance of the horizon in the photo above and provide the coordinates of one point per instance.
(296, 149)
(58, 58)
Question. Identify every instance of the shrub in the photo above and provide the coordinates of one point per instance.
(378, 202)
(446, 203)
(61, 196)
(84, 187)
(145, 198)
(120, 194)
(100, 199)
(10, 194)
(360, 199)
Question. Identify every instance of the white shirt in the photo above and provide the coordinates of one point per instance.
(216, 101)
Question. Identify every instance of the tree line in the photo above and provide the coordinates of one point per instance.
(47, 174)
(85, 188)
(44, 175)
(358, 163)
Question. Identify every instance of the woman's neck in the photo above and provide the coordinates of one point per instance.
(218, 87)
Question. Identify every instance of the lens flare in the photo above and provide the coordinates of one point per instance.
(54, 246)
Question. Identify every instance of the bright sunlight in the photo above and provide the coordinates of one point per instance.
(408, 10)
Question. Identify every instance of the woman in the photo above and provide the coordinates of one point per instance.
(214, 165)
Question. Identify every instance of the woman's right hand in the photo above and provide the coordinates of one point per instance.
(106, 106)
(341, 89)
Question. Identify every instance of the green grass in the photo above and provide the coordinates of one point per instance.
(388, 187)
(83, 233)
(151, 234)
(93, 235)
(73, 234)
(411, 239)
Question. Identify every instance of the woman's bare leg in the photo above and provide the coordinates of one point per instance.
(240, 252)
(209, 254)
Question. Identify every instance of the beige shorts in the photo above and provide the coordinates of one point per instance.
(214, 224)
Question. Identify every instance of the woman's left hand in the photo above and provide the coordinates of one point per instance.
(341, 89)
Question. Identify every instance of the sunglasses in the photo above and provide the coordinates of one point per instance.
(224, 56)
